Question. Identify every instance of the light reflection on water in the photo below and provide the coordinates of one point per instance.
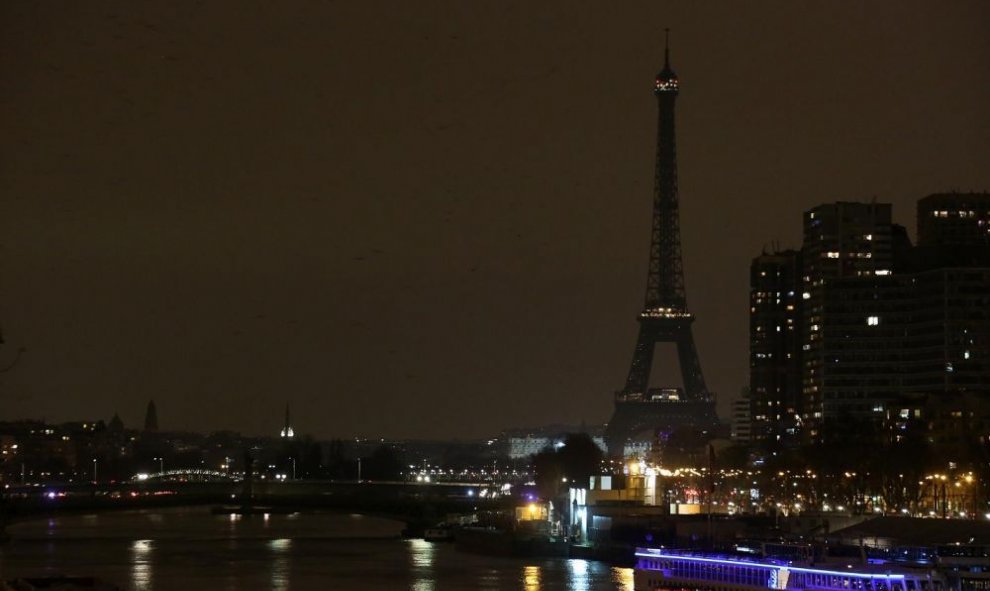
(578, 575)
(280, 563)
(623, 579)
(421, 555)
(193, 550)
(141, 565)
(531, 578)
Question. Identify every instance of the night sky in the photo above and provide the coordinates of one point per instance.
(430, 219)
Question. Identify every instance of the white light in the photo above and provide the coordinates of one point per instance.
(873, 320)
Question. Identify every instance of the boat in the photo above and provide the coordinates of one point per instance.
(500, 542)
(440, 532)
(663, 569)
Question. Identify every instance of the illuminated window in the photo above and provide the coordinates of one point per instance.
(873, 320)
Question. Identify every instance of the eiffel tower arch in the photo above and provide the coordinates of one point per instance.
(641, 412)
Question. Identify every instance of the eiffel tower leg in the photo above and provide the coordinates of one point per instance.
(687, 354)
(642, 361)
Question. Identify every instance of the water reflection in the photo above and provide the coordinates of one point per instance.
(141, 565)
(623, 579)
(578, 579)
(531, 578)
(421, 554)
(280, 564)
(195, 550)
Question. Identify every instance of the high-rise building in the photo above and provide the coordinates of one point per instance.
(888, 332)
(775, 329)
(950, 333)
(841, 241)
(954, 219)
(742, 419)
(641, 411)
(863, 347)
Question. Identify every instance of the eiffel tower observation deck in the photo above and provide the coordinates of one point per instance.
(643, 413)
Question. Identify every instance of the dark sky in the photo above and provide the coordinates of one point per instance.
(419, 219)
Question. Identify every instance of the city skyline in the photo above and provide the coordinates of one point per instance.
(430, 221)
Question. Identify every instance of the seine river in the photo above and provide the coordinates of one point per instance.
(193, 550)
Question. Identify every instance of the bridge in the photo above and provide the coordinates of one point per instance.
(415, 503)
(187, 475)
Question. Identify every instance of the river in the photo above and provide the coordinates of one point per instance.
(193, 550)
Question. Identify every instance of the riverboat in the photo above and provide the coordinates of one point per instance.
(661, 569)
(440, 532)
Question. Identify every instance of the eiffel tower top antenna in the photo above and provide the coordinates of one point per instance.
(666, 48)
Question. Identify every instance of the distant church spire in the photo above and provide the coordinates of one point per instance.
(287, 432)
(151, 418)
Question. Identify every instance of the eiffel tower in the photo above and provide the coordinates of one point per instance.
(644, 413)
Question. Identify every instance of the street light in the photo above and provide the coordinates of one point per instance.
(94, 470)
(161, 464)
(293, 468)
